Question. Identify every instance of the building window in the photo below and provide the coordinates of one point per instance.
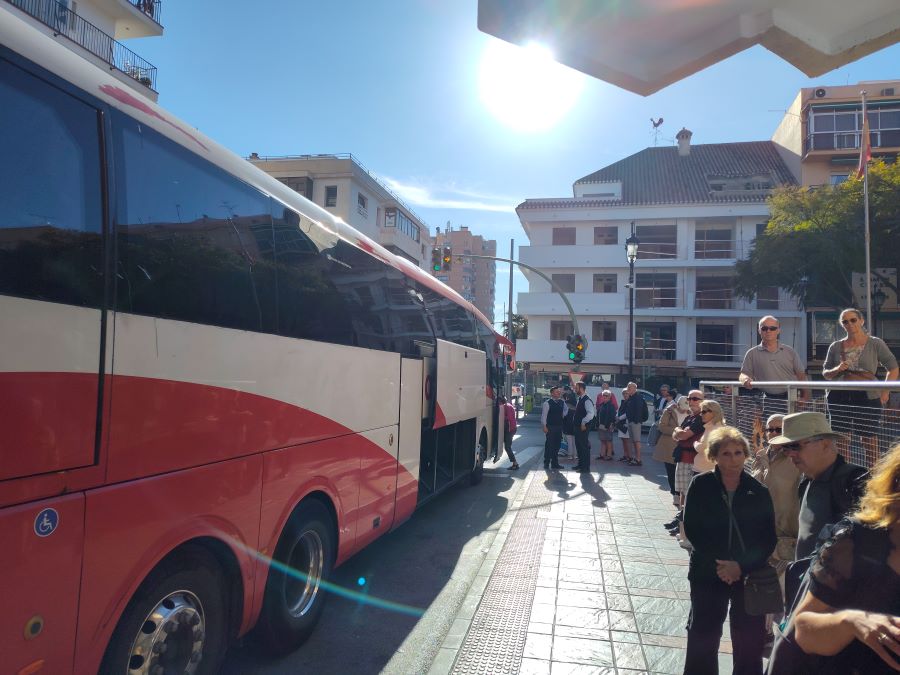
(838, 178)
(655, 290)
(563, 236)
(362, 204)
(561, 330)
(658, 242)
(715, 343)
(713, 242)
(330, 195)
(835, 128)
(605, 283)
(714, 292)
(396, 218)
(606, 236)
(654, 341)
(564, 282)
(761, 229)
(603, 331)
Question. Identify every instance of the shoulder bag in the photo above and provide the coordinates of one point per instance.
(653, 435)
(762, 592)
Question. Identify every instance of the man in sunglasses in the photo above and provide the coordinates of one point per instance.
(831, 486)
(772, 361)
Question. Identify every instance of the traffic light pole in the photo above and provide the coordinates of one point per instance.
(543, 276)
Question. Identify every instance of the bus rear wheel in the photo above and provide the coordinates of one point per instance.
(295, 593)
(176, 622)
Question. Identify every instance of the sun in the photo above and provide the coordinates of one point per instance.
(525, 88)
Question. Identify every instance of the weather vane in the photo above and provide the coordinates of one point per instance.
(656, 125)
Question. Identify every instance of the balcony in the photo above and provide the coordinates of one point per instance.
(65, 22)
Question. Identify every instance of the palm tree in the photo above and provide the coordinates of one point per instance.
(519, 325)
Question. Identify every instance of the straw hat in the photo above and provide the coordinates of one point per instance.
(800, 426)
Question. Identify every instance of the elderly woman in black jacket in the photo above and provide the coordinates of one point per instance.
(720, 559)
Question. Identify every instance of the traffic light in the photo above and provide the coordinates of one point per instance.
(436, 259)
(576, 346)
(447, 257)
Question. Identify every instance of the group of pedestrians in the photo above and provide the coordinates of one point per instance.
(790, 512)
(572, 417)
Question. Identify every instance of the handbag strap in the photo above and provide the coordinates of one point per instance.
(733, 522)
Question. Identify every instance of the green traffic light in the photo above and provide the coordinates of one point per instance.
(571, 356)
(437, 268)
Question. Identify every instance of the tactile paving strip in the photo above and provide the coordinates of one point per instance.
(496, 638)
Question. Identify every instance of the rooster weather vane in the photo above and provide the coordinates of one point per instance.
(656, 124)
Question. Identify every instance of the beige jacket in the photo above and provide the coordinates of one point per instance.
(778, 473)
(662, 451)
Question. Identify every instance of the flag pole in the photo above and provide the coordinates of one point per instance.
(864, 150)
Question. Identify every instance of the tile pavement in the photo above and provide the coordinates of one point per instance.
(582, 578)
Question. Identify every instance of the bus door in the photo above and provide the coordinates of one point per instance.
(52, 307)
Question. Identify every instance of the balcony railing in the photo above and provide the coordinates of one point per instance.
(66, 22)
(151, 8)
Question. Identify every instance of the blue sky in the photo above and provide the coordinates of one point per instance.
(397, 84)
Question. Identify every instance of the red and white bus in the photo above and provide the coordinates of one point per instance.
(200, 372)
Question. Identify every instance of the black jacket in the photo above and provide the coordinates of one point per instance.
(706, 523)
(606, 415)
(635, 408)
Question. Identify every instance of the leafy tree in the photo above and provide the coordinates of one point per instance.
(815, 239)
(520, 327)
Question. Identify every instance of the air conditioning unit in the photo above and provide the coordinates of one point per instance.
(889, 91)
(820, 93)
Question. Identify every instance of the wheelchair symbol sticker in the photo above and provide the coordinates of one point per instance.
(46, 522)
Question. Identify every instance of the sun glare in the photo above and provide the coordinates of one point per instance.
(525, 88)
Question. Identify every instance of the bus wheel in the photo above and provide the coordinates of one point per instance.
(294, 595)
(176, 622)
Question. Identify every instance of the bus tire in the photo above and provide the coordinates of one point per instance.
(177, 620)
(294, 596)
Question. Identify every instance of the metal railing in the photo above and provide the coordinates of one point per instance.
(870, 431)
(152, 8)
(82, 32)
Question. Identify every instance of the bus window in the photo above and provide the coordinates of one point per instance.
(194, 243)
(51, 218)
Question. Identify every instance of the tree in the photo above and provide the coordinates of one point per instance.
(815, 239)
(520, 327)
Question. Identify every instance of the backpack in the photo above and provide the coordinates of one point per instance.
(645, 414)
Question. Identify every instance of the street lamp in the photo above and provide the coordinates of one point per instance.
(878, 298)
(631, 253)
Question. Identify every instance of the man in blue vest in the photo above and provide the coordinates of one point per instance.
(584, 413)
(552, 412)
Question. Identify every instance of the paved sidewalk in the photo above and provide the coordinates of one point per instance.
(581, 578)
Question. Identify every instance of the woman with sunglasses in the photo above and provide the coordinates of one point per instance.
(858, 357)
(774, 469)
(850, 614)
(713, 418)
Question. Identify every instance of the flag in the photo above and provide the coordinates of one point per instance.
(865, 147)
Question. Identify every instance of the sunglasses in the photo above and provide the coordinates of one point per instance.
(773, 430)
(766, 329)
(694, 398)
(703, 412)
(846, 321)
(797, 447)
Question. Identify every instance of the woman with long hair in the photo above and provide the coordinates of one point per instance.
(857, 357)
(851, 611)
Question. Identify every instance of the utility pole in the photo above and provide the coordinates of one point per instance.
(509, 320)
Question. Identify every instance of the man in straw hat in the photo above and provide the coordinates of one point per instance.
(831, 486)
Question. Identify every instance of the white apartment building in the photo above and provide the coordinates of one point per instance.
(696, 211)
(94, 29)
(343, 186)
